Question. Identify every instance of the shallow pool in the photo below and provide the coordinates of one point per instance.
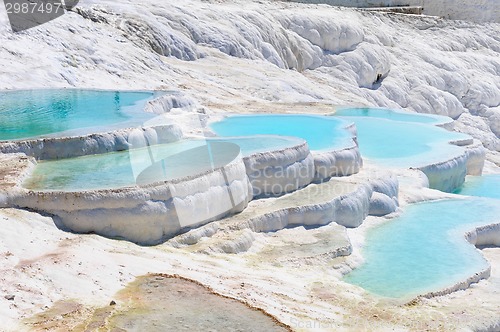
(38, 113)
(320, 132)
(260, 143)
(424, 249)
(395, 115)
(387, 141)
(484, 186)
(386, 137)
(147, 165)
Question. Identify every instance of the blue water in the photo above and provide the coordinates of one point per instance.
(385, 137)
(320, 132)
(34, 113)
(121, 169)
(424, 249)
(394, 115)
(263, 143)
(484, 186)
(404, 144)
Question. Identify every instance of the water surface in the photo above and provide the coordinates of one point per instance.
(484, 186)
(39, 113)
(395, 115)
(320, 132)
(395, 143)
(424, 249)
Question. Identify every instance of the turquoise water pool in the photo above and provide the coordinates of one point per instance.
(395, 143)
(320, 132)
(262, 143)
(124, 168)
(424, 249)
(37, 113)
(395, 115)
(484, 186)
(385, 137)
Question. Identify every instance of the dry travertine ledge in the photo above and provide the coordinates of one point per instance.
(345, 201)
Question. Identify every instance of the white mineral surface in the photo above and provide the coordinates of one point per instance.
(253, 56)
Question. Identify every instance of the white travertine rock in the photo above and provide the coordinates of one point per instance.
(478, 11)
(333, 36)
(337, 163)
(232, 59)
(241, 243)
(68, 147)
(337, 56)
(353, 209)
(279, 172)
(387, 185)
(385, 197)
(448, 175)
(193, 236)
(381, 205)
(148, 214)
(347, 210)
(488, 235)
(476, 156)
(153, 213)
(166, 103)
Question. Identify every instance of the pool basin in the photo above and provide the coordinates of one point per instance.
(395, 115)
(320, 132)
(122, 169)
(483, 186)
(30, 114)
(405, 144)
(331, 140)
(398, 139)
(424, 250)
(144, 195)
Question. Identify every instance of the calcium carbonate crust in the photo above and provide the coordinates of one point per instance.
(449, 175)
(146, 215)
(69, 147)
(348, 210)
